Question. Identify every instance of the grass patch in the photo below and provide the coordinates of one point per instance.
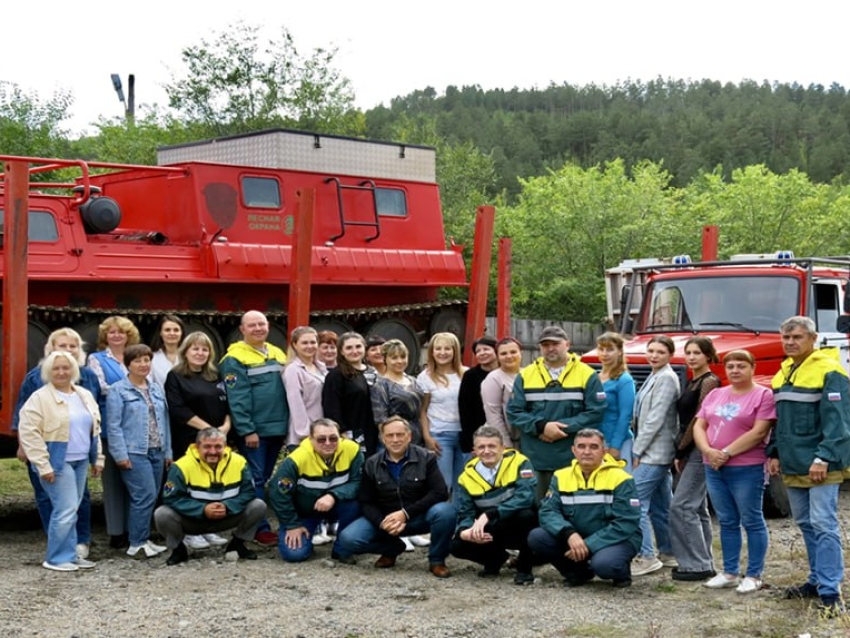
(14, 481)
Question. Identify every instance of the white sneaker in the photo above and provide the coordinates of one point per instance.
(721, 581)
(408, 544)
(749, 585)
(196, 541)
(420, 541)
(60, 567)
(320, 535)
(82, 563)
(645, 565)
(215, 540)
(150, 549)
(82, 550)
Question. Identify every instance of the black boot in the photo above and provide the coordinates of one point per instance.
(238, 545)
(179, 555)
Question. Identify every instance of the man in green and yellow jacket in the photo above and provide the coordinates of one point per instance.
(553, 398)
(496, 506)
(210, 489)
(810, 446)
(319, 480)
(251, 371)
(590, 517)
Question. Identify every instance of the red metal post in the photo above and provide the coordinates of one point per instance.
(479, 279)
(709, 243)
(503, 289)
(302, 256)
(15, 245)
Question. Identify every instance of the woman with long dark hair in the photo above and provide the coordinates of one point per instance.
(346, 396)
(690, 522)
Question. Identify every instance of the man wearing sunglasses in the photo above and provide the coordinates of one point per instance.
(318, 481)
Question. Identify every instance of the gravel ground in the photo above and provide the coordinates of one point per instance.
(208, 596)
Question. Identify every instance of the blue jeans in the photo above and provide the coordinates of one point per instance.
(361, 537)
(654, 485)
(450, 460)
(609, 563)
(262, 460)
(65, 494)
(42, 503)
(736, 492)
(345, 512)
(815, 510)
(143, 481)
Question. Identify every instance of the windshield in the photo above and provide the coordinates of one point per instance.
(749, 303)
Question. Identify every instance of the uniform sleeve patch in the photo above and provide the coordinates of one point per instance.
(833, 396)
(526, 473)
(634, 502)
(230, 380)
(169, 487)
(548, 495)
(284, 484)
(600, 396)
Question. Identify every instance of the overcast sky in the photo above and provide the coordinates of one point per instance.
(387, 49)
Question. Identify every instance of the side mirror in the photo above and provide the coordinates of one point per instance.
(842, 324)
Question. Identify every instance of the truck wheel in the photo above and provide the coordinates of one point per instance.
(776, 503)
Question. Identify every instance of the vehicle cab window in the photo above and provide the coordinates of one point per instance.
(42, 226)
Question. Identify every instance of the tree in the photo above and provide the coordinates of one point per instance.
(30, 126)
(234, 84)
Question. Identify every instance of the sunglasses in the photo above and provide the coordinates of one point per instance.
(327, 439)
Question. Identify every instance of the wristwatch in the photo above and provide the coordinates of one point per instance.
(818, 461)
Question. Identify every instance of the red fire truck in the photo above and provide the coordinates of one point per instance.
(339, 232)
(738, 303)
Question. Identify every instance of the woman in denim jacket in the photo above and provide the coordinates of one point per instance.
(139, 439)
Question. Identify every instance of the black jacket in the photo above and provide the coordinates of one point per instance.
(470, 405)
(420, 486)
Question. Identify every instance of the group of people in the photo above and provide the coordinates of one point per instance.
(560, 462)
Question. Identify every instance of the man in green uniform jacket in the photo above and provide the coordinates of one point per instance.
(251, 371)
(209, 489)
(553, 398)
(319, 481)
(496, 506)
(810, 445)
(590, 517)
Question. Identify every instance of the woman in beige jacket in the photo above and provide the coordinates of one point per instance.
(59, 431)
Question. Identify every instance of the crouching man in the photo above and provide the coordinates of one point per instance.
(496, 506)
(319, 480)
(402, 492)
(590, 517)
(210, 489)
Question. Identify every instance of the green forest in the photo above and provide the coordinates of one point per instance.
(582, 176)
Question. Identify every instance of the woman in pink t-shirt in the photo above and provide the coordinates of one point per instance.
(731, 430)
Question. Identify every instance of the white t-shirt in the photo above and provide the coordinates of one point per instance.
(443, 411)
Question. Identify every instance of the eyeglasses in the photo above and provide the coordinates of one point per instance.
(327, 439)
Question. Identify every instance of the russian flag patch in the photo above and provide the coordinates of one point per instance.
(634, 502)
(600, 396)
(833, 396)
(526, 473)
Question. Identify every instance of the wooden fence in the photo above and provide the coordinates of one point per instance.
(582, 335)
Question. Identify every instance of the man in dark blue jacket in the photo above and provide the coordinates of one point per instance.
(401, 491)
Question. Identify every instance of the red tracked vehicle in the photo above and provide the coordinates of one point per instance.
(220, 227)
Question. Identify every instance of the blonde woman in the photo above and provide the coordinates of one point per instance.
(439, 414)
(303, 378)
(59, 431)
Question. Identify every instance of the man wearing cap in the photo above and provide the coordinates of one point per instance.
(554, 397)
(470, 403)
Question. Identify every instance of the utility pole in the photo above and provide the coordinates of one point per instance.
(130, 102)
